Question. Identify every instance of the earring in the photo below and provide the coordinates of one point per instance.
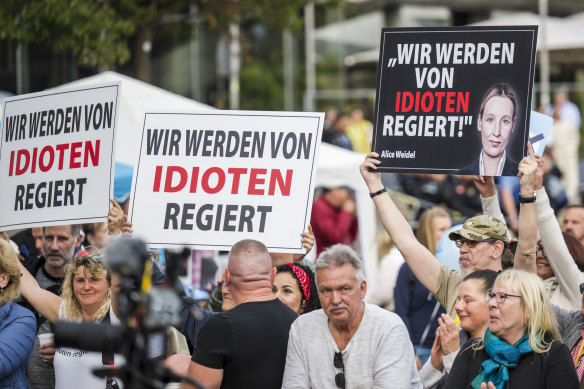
(1, 290)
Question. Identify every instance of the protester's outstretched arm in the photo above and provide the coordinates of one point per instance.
(559, 257)
(421, 261)
(527, 239)
(45, 302)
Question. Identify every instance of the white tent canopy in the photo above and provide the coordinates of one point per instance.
(336, 166)
(562, 33)
(340, 167)
(136, 97)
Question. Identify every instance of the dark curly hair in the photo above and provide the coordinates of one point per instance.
(313, 303)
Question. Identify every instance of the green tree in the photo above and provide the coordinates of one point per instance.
(100, 32)
(92, 29)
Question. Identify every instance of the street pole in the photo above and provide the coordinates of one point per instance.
(310, 60)
(544, 56)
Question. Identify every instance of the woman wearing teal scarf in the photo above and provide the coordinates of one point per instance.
(521, 349)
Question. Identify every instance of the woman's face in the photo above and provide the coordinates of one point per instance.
(506, 319)
(472, 308)
(496, 125)
(440, 225)
(90, 291)
(544, 269)
(286, 289)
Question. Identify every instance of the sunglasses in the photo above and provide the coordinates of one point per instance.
(471, 244)
(340, 377)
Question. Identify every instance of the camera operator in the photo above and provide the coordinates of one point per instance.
(86, 297)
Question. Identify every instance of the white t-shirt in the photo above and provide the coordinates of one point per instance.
(73, 367)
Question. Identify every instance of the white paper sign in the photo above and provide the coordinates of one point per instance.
(208, 180)
(540, 127)
(57, 156)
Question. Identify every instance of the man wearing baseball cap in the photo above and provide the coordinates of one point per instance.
(481, 240)
(470, 238)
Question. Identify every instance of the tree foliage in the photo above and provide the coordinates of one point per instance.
(99, 31)
(92, 29)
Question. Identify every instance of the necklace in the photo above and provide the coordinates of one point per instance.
(254, 296)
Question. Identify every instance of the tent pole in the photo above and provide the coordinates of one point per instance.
(544, 66)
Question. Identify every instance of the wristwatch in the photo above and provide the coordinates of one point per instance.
(380, 191)
(527, 200)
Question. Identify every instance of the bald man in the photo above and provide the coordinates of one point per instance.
(245, 347)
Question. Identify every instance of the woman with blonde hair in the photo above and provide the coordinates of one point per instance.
(522, 347)
(86, 296)
(433, 223)
(17, 324)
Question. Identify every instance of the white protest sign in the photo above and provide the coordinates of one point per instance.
(57, 156)
(540, 127)
(208, 180)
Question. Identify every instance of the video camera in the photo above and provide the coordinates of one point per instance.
(145, 311)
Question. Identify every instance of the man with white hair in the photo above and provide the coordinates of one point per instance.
(348, 343)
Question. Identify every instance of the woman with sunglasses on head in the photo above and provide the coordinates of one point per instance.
(473, 313)
(521, 348)
(294, 285)
(86, 297)
(17, 324)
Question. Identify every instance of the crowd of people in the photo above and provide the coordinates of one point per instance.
(512, 315)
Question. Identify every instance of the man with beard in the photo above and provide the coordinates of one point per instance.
(574, 222)
(58, 248)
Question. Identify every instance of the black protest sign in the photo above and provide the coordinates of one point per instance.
(454, 100)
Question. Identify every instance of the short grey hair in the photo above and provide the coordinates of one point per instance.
(75, 230)
(339, 255)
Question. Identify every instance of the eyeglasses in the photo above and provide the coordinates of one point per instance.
(471, 244)
(499, 297)
(539, 249)
(340, 377)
